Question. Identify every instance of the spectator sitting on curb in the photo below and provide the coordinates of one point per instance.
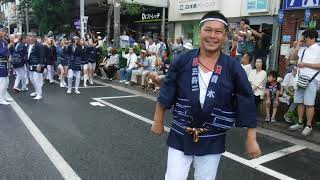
(272, 95)
(288, 92)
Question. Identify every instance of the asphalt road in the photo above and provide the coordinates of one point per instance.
(104, 133)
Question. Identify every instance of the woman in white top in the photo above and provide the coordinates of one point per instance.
(126, 72)
(258, 80)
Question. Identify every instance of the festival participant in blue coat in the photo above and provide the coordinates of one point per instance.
(208, 93)
(75, 55)
(19, 59)
(91, 52)
(62, 61)
(36, 62)
(4, 71)
(84, 62)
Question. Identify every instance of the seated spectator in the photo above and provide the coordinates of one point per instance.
(144, 67)
(110, 66)
(288, 88)
(258, 79)
(158, 77)
(126, 72)
(246, 63)
(272, 96)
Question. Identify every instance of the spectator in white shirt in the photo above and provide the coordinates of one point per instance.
(258, 80)
(288, 88)
(246, 63)
(144, 68)
(126, 72)
(309, 65)
(124, 40)
(152, 47)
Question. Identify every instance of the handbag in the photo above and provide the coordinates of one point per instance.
(303, 80)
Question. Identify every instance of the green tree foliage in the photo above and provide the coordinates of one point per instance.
(52, 14)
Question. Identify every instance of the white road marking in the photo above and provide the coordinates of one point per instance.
(117, 97)
(97, 104)
(277, 154)
(62, 166)
(249, 163)
(128, 112)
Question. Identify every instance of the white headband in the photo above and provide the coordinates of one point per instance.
(214, 19)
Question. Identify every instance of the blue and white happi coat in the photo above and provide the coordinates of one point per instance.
(229, 102)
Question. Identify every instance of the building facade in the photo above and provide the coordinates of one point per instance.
(297, 16)
(185, 16)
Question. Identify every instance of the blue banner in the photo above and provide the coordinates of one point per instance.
(301, 4)
(281, 16)
(307, 14)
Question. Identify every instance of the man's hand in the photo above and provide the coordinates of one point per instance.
(301, 65)
(253, 149)
(157, 127)
(38, 69)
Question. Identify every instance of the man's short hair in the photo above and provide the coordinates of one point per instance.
(310, 33)
(215, 15)
(274, 74)
(249, 57)
(246, 21)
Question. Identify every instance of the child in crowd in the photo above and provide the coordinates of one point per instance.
(272, 95)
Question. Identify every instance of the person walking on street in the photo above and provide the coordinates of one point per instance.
(209, 93)
(75, 54)
(4, 71)
(36, 61)
(18, 62)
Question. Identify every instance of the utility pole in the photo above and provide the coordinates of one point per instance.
(82, 18)
(116, 34)
(163, 25)
(27, 18)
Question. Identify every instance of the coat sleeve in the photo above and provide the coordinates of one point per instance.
(245, 106)
(168, 89)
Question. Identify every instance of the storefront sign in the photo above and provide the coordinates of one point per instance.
(307, 14)
(150, 16)
(193, 6)
(254, 6)
(281, 16)
(301, 4)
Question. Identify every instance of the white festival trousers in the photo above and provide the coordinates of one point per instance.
(20, 77)
(4, 82)
(50, 72)
(37, 81)
(178, 165)
(72, 73)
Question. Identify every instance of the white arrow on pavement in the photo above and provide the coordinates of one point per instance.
(97, 104)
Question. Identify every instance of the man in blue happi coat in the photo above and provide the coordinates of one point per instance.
(208, 93)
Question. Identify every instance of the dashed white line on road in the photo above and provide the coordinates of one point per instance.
(277, 154)
(249, 163)
(62, 166)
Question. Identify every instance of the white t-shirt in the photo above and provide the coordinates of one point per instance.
(247, 68)
(312, 56)
(29, 50)
(258, 79)
(204, 80)
(289, 80)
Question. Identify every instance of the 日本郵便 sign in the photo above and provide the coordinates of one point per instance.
(193, 6)
(301, 4)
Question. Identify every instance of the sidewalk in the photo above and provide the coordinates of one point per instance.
(280, 126)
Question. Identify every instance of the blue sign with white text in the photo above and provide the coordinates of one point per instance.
(301, 4)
